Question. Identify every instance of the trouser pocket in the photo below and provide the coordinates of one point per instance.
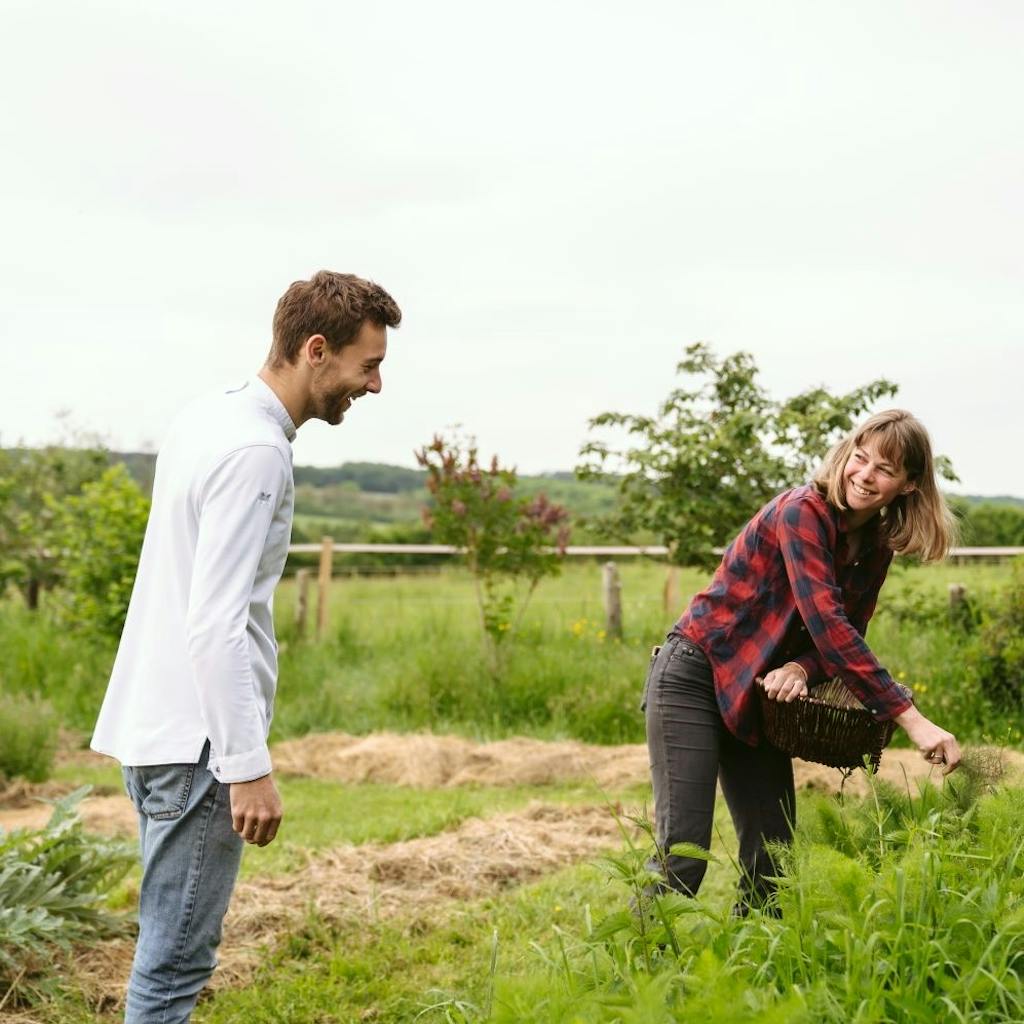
(655, 651)
(160, 791)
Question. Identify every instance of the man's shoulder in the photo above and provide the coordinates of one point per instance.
(215, 426)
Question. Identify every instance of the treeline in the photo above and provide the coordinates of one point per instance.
(990, 522)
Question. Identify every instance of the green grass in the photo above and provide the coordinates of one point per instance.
(395, 971)
(893, 909)
(320, 814)
(404, 653)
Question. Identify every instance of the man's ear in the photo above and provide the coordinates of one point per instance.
(315, 349)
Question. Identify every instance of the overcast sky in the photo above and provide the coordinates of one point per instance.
(561, 197)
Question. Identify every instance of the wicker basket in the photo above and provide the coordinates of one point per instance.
(829, 727)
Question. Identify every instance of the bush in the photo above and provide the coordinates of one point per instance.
(101, 532)
(52, 885)
(998, 654)
(28, 738)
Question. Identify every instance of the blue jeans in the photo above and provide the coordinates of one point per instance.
(190, 858)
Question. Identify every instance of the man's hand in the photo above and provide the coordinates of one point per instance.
(786, 683)
(936, 745)
(256, 810)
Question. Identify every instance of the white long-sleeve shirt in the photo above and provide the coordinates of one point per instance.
(197, 658)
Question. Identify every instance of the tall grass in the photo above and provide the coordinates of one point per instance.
(898, 908)
(28, 737)
(405, 653)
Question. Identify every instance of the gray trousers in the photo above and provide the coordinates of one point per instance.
(690, 751)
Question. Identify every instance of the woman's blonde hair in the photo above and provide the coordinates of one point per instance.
(918, 522)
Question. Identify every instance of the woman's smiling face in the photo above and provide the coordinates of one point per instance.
(872, 480)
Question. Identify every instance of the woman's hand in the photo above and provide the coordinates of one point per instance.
(936, 745)
(786, 683)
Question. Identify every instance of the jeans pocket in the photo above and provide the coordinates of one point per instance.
(163, 788)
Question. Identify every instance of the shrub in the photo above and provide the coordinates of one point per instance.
(28, 737)
(998, 654)
(510, 542)
(101, 532)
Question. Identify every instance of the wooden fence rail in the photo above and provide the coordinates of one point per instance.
(652, 550)
(611, 587)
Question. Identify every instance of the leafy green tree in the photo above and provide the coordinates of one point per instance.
(717, 448)
(100, 533)
(989, 524)
(997, 656)
(511, 542)
(34, 482)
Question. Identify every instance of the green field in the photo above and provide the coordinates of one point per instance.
(550, 943)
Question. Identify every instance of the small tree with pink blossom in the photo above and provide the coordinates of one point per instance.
(510, 542)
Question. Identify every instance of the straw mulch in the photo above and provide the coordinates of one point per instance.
(424, 760)
(480, 858)
(428, 761)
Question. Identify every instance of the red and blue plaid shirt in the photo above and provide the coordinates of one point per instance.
(786, 591)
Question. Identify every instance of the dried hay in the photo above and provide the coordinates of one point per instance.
(426, 761)
(422, 760)
(17, 793)
(479, 858)
(108, 815)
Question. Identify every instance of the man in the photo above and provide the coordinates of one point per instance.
(188, 707)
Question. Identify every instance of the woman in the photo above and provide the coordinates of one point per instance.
(790, 602)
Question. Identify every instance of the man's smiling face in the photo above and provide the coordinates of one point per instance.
(344, 376)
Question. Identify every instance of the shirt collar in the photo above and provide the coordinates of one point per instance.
(268, 400)
(869, 537)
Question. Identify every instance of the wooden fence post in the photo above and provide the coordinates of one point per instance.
(324, 584)
(670, 592)
(959, 606)
(612, 590)
(301, 602)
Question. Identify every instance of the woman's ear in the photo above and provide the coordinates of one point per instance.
(910, 486)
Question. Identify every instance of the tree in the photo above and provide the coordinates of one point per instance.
(100, 534)
(510, 542)
(991, 525)
(715, 451)
(34, 482)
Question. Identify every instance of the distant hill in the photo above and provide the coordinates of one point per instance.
(364, 500)
(988, 499)
(377, 477)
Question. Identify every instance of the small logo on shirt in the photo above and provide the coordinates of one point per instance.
(264, 496)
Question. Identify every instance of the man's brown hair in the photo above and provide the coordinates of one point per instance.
(334, 305)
